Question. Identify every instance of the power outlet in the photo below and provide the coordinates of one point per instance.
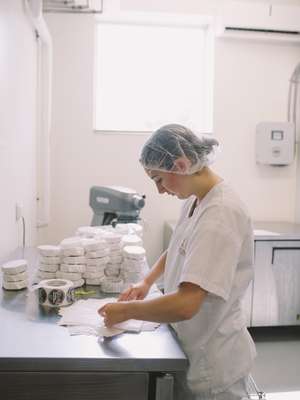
(19, 211)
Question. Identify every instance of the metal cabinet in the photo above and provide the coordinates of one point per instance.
(273, 297)
(275, 293)
(73, 385)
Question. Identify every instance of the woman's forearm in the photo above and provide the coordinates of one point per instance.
(157, 269)
(173, 307)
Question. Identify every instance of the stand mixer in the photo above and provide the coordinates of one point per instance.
(115, 204)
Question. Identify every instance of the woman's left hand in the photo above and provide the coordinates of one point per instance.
(113, 313)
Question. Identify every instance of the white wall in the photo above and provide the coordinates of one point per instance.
(251, 83)
(17, 125)
(81, 158)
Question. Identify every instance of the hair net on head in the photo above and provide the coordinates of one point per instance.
(173, 142)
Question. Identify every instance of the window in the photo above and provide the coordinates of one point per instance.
(149, 73)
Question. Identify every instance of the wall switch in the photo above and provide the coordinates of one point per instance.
(19, 211)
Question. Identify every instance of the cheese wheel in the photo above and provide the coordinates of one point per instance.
(94, 244)
(48, 267)
(50, 260)
(95, 269)
(112, 237)
(94, 281)
(22, 276)
(93, 275)
(73, 251)
(134, 252)
(137, 228)
(115, 247)
(72, 268)
(97, 253)
(46, 275)
(74, 260)
(115, 259)
(112, 270)
(132, 263)
(14, 267)
(49, 250)
(132, 240)
(14, 285)
(97, 261)
(87, 231)
(71, 276)
(70, 242)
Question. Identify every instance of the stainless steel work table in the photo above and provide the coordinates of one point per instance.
(40, 360)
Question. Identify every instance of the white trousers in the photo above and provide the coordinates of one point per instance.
(237, 391)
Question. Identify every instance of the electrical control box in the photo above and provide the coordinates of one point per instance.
(275, 143)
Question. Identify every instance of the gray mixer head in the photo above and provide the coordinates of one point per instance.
(112, 204)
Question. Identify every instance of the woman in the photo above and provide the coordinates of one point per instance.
(207, 267)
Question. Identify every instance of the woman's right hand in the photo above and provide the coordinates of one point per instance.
(137, 291)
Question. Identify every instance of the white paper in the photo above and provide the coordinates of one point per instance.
(131, 325)
(82, 318)
(82, 330)
(149, 326)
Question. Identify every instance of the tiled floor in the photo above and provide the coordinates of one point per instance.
(277, 366)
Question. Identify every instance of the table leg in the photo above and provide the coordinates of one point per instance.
(164, 387)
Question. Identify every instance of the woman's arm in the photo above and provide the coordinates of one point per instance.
(157, 269)
(178, 306)
(140, 290)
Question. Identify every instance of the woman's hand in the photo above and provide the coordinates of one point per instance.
(137, 291)
(113, 313)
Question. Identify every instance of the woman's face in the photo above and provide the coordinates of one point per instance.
(168, 182)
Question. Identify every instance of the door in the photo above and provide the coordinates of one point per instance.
(286, 266)
(276, 287)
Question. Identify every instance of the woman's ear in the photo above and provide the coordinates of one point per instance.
(148, 171)
(182, 165)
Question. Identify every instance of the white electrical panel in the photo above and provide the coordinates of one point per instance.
(275, 143)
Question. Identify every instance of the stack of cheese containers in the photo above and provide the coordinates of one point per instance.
(15, 275)
(104, 256)
(97, 257)
(49, 262)
(131, 240)
(113, 279)
(136, 228)
(97, 252)
(133, 266)
(89, 231)
(73, 264)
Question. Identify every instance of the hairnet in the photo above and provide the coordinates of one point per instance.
(172, 142)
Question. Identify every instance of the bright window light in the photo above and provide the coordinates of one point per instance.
(147, 75)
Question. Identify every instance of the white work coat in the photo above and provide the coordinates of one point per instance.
(214, 250)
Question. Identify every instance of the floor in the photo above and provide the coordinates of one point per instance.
(277, 366)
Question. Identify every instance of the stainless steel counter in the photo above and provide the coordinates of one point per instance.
(264, 230)
(30, 340)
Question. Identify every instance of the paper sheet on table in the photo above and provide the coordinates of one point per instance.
(84, 312)
(82, 318)
(89, 331)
